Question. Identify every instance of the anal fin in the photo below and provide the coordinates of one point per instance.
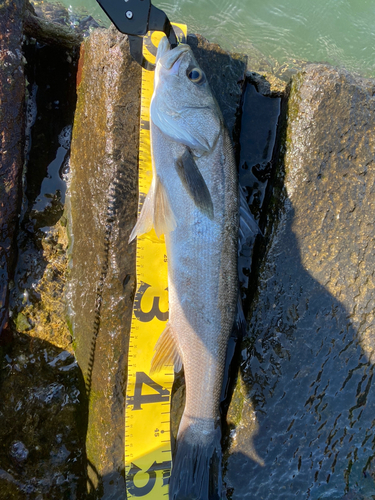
(166, 352)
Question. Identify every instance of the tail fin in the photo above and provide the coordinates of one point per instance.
(196, 471)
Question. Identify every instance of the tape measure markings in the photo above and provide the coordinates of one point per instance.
(147, 426)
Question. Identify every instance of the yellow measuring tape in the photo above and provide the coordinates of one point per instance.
(148, 457)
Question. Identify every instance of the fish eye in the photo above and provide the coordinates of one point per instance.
(196, 75)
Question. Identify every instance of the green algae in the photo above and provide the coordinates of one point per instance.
(45, 317)
(22, 323)
(235, 410)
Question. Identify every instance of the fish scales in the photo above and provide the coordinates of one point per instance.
(194, 201)
(202, 276)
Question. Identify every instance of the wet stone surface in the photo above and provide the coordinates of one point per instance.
(261, 111)
(305, 400)
(37, 297)
(258, 151)
(12, 116)
(56, 12)
(43, 417)
(42, 432)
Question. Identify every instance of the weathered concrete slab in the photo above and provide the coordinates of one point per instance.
(103, 209)
(12, 99)
(305, 404)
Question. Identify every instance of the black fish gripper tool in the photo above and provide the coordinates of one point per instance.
(135, 18)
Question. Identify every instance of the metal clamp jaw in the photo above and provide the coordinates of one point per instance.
(135, 18)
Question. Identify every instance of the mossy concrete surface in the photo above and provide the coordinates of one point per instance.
(102, 210)
(308, 359)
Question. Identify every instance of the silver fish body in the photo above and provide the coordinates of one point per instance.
(202, 275)
(194, 201)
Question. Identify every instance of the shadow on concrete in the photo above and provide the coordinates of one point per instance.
(306, 399)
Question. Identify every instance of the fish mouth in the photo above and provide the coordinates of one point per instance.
(168, 57)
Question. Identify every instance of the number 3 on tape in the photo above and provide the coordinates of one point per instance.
(147, 413)
(155, 311)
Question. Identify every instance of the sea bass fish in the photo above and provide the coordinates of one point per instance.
(194, 201)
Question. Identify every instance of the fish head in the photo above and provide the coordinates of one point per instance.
(183, 106)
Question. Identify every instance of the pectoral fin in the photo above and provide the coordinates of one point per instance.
(156, 212)
(164, 219)
(145, 220)
(166, 352)
(194, 183)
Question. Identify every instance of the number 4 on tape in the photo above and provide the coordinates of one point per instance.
(140, 399)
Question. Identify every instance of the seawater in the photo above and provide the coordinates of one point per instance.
(340, 32)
